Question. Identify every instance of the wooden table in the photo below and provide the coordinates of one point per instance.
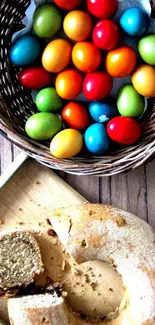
(132, 191)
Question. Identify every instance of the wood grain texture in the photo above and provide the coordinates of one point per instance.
(132, 191)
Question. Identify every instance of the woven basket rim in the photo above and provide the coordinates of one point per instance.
(117, 162)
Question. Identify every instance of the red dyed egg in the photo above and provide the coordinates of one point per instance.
(102, 8)
(35, 78)
(124, 130)
(106, 35)
(97, 85)
(68, 4)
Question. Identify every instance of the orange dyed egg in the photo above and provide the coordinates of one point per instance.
(78, 25)
(69, 84)
(86, 56)
(56, 55)
(143, 80)
(121, 62)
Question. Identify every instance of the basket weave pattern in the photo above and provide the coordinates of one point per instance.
(16, 105)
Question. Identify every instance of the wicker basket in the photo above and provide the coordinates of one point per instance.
(16, 105)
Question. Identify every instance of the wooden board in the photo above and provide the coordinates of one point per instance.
(35, 188)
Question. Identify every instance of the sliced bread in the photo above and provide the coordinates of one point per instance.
(44, 309)
(20, 260)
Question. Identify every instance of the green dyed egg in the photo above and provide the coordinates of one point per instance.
(129, 102)
(48, 100)
(43, 126)
(47, 21)
(146, 48)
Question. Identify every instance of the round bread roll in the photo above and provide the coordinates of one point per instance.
(93, 232)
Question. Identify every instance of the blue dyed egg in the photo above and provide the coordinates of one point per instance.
(25, 50)
(102, 112)
(96, 139)
(135, 21)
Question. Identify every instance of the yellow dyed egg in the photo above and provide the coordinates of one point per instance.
(66, 144)
(143, 80)
(57, 55)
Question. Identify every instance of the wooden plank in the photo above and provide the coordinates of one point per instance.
(87, 186)
(105, 190)
(150, 195)
(128, 192)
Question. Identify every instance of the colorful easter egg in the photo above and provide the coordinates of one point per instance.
(135, 21)
(97, 85)
(143, 80)
(121, 62)
(25, 51)
(47, 21)
(43, 126)
(146, 48)
(78, 25)
(66, 144)
(35, 78)
(69, 84)
(57, 55)
(124, 130)
(129, 102)
(102, 8)
(76, 116)
(86, 56)
(102, 112)
(106, 35)
(68, 5)
(96, 139)
(47, 100)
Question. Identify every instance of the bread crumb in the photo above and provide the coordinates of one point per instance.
(48, 222)
(21, 223)
(87, 278)
(51, 232)
(83, 244)
(63, 265)
(64, 294)
(121, 222)
(37, 183)
(20, 209)
(1, 222)
(45, 321)
(93, 285)
(77, 272)
(110, 289)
